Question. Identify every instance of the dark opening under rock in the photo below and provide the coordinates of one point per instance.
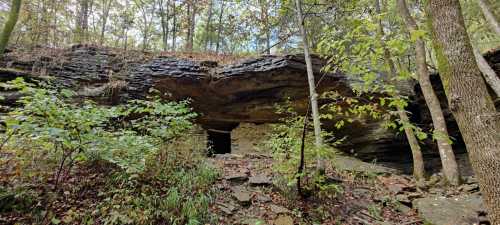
(219, 142)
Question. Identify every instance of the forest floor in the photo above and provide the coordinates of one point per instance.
(250, 193)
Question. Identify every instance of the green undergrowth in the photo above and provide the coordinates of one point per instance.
(72, 162)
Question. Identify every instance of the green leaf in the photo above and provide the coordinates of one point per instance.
(417, 34)
(55, 221)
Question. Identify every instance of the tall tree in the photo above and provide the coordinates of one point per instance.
(450, 167)
(418, 160)
(191, 10)
(312, 87)
(106, 6)
(164, 13)
(15, 7)
(219, 29)
(490, 17)
(174, 25)
(208, 26)
(468, 98)
(265, 26)
(147, 10)
(82, 21)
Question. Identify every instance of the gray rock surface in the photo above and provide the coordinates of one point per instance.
(459, 210)
(347, 163)
(260, 180)
(223, 95)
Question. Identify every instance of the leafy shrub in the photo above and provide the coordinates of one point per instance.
(79, 132)
(153, 180)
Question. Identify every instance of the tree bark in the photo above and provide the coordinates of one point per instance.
(450, 167)
(490, 17)
(208, 25)
(82, 21)
(468, 98)
(312, 89)
(164, 23)
(106, 8)
(418, 159)
(174, 26)
(192, 23)
(219, 30)
(264, 12)
(15, 7)
(489, 74)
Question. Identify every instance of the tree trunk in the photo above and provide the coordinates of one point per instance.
(312, 89)
(490, 17)
(83, 22)
(192, 23)
(208, 26)
(107, 6)
(55, 34)
(418, 160)
(174, 25)
(489, 74)
(219, 30)
(15, 7)
(468, 98)
(264, 8)
(450, 167)
(164, 23)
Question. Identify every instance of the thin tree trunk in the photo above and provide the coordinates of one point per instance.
(418, 159)
(192, 23)
(125, 28)
(302, 162)
(164, 23)
(85, 21)
(188, 33)
(468, 98)
(489, 74)
(490, 17)
(450, 167)
(54, 25)
(82, 22)
(174, 25)
(219, 30)
(107, 6)
(312, 89)
(15, 7)
(264, 8)
(125, 41)
(208, 26)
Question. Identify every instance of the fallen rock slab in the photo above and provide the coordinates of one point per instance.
(236, 177)
(243, 197)
(260, 180)
(351, 164)
(227, 208)
(459, 210)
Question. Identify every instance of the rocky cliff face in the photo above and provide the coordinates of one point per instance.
(224, 95)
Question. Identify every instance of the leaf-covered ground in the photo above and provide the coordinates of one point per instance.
(250, 193)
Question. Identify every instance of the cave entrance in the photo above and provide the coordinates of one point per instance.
(218, 142)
